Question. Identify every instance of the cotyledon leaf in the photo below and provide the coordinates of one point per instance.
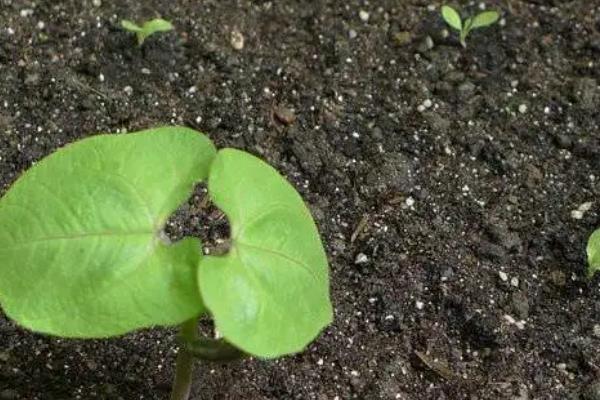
(452, 17)
(269, 295)
(81, 253)
(485, 18)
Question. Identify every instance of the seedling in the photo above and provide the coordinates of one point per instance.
(147, 29)
(83, 253)
(483, 19)
(593, 253)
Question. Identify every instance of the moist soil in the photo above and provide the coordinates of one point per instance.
(452, 186)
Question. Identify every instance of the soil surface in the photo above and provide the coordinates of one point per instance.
(449, 184)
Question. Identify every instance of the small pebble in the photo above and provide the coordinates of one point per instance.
(514, 281)
(503, 276)
(523, 108)
(581, 210)
(363, 15)
(237, 40)
(145, 71)
(285, 115)
(101, 77)
(402, 38)
(426, 45)
(352, 34)
(128, 90)
(576, 214)
(427, 103)
(96, 3)
(597, 330)
(361, 258)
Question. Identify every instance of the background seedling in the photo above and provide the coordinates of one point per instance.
(453, 19)
(83, 254)
(147, 29)
(593, 253)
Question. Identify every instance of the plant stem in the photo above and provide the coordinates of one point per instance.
(184, 367)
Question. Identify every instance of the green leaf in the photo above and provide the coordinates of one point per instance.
(485, 18)
(593, 253)
(269, 295)
(157, 25)
(151, 27)
(81, 253)
(130, 26)
(452, 17)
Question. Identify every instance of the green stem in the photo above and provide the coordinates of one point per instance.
(185, 363)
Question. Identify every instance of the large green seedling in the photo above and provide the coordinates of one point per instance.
(83, 253)
(464, 28)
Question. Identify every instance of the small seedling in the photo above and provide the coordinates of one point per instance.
(483, 19)
(147, 29)
(593, 253)
(83, 253)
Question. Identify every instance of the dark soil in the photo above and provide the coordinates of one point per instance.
(457, 266)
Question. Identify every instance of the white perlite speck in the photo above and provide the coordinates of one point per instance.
(419, 304)
(581, 210)
(503, 276)
(361, 258)
(523, 108)
(511, 321)
(363, 15)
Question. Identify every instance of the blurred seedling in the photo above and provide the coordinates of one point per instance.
(147, 29)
